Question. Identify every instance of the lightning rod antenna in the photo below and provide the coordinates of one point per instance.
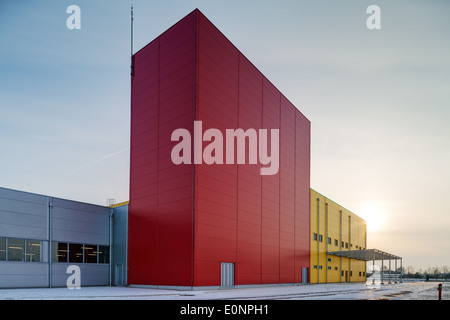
(131, 44)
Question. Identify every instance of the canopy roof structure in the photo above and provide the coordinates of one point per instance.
(372, 255)
(365, 255)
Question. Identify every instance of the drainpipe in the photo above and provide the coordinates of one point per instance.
(349, 248)
(326, 243)
(111, 239)
(340, 244)
(318, 240)
(49, 236)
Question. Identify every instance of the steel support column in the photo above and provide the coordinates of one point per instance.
(389, 273)
(395, 274)
(373, 268)
(318, 240)
(401, 270)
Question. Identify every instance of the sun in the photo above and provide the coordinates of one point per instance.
(375, 215)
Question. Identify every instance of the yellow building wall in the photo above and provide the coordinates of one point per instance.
(334, 228)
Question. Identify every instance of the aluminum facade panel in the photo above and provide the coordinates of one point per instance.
(79, 223)
(119, 249)
(23, 275)
(91, 275)
(25, 216)
(22, 214)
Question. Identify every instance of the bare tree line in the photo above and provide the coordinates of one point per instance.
(437, 272)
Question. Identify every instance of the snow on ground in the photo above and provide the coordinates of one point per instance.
(337, 291)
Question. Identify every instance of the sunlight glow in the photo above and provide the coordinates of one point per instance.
(374, 214)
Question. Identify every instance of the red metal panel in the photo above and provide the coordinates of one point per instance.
(256, 229)
(270, 194)
(287, 192)
(302, 199)
(248, 266)
(215, 185)
(160, 211)
(143, 192)
(260, 223)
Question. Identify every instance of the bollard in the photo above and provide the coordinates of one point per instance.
(440, 290)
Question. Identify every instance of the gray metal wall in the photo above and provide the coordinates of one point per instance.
(23, 214)
(26, 216)
(120, 236)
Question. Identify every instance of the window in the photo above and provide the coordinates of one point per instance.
(90, 253)
(335, 242)
(103, 254)
(335, 268)
(320, 238)
(346, 245)
(79, 253)
(2, 249)
(329, 268)
(329, 259)
(360, 273)
(342, 244)
(16, 249)
(33, 251)
(59, 252)
(315, 236)
(329, 240)
(315, 267)
(75, 252)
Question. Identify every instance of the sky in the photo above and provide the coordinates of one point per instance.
(378, 101)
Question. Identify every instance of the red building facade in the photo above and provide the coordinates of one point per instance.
(185, 220)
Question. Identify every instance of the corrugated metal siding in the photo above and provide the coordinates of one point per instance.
(25, 216)
(22, 213)
(79, 222)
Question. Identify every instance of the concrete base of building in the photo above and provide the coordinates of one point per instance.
(203, 288)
